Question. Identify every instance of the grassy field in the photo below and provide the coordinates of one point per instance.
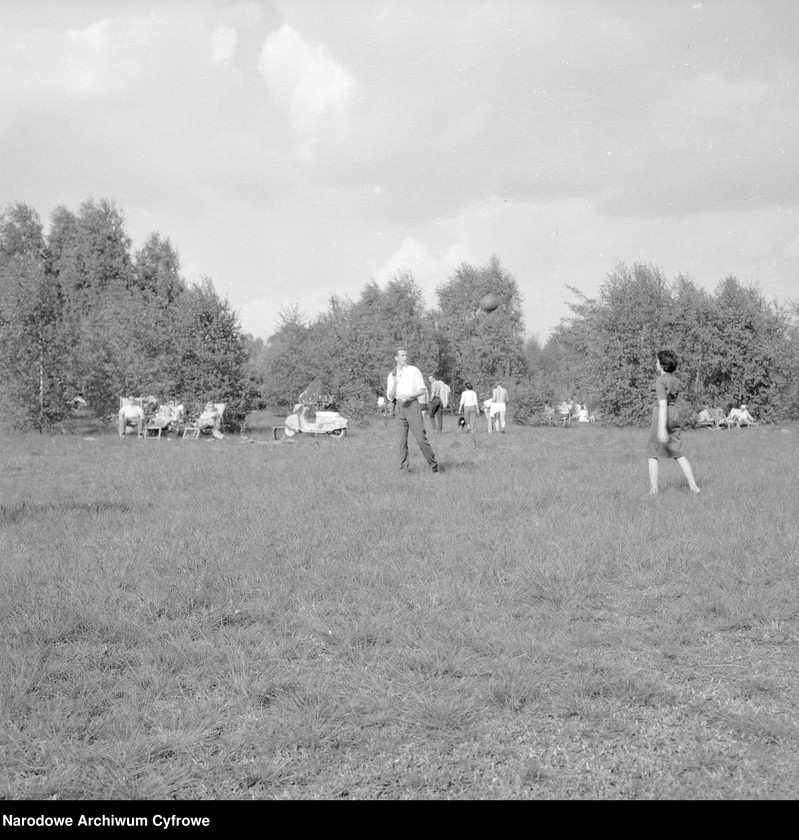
(245, 619)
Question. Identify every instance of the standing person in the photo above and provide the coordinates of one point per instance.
(487, 411)
(470, 408)
(436, 409)
(664, 430)
(405, 384)
(424, 400)
(499, 406)
(445, 392)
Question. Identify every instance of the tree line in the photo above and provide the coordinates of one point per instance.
(734, 345)
(82, 313)
(351, 345)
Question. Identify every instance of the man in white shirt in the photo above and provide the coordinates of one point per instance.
(405, 384)
(130, 414)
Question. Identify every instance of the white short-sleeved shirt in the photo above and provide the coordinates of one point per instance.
(131, 412)
(407, 386)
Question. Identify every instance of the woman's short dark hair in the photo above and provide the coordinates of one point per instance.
(668, 360)
(467, 386)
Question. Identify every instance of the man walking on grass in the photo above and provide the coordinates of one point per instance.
(499, 404)
(405, 384)
(439, 400)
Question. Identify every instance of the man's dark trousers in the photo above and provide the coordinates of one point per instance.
(409, 416)
(437, 413)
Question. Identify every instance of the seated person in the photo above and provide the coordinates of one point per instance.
(744, 417)
(167, 416)
(582, 417)
(164, 416)
(210, 418)
(706, 417)
(732, 419)
(130, 414)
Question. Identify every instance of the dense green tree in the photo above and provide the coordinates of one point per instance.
(732, 345)
(626, 330)
(31, 332)
(753, 334)
(89, 257)
(78, 313)
(210, 361)
(156, 272)
(350, 347)
(21, 233)
(482, 347)
(355, 342)
(286, 365)
(90, 252)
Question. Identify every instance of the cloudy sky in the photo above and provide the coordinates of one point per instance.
(295, 149)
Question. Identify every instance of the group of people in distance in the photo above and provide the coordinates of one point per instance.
(716, 419)
(168, 415)
(406, 389)
(569, 412)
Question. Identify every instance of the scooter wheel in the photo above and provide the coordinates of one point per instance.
(338, 433)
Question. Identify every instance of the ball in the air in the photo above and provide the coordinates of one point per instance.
(489, 302)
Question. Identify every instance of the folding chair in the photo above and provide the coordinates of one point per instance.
(164, 426)
(138, 402)
(194, 430)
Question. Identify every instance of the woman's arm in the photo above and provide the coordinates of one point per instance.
(663, 432)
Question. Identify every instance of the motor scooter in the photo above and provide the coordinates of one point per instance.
(325, 423)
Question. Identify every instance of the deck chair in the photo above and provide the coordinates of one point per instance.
(123, 423)
(194, 430)
(161, 424)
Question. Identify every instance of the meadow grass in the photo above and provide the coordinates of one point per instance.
(245, 619)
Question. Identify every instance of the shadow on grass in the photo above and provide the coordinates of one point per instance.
(10, 514)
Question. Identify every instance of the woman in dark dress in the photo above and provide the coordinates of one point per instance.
(664, 429)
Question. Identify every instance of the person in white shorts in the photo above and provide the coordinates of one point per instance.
(499, 406)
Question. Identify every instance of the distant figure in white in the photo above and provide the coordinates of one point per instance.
(487, 411)
(739, 417)
(167, 415)
(210, 419)
(130, 414)
(499, 405)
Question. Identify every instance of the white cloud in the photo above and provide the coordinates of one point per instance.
(223, 45)
(242, 14)
(305, 82)
(428, 269)
(39, 66)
